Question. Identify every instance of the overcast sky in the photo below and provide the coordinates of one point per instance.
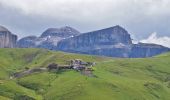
(139, 17)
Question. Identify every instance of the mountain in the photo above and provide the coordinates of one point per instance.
(98, 39)
(7, 39)
(49, 38)
(113, 79)
(113, 42)
(28, 41)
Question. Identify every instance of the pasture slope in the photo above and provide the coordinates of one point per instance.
(114, 78)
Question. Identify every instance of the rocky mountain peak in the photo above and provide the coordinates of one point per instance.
(67, 28)
(63, 32)
(118, 27)
(3, 29)
(117, 30)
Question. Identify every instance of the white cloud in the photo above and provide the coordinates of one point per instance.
(153, 38)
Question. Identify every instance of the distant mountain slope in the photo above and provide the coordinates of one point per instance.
(7, 39)
(113, 42)
(29, 41)
(146, 50)
(115, 79)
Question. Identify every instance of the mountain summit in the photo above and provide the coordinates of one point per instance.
(63, 32)
(3, 29)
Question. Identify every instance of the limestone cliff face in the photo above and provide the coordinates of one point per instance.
(112, 42)
(105, 38)
(7, 39)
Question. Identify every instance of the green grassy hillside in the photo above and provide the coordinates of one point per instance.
(115, 79)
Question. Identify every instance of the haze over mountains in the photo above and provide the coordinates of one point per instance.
(113, 42)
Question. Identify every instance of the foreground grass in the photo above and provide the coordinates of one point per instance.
(115, 79)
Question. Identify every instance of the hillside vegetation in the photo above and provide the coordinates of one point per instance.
(114, 79)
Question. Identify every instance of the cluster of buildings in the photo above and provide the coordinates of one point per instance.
(76, 64)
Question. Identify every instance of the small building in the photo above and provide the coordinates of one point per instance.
(53, 66)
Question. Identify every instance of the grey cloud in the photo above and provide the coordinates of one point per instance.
(140, 17)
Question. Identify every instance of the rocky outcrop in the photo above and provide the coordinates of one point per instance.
(7, 39)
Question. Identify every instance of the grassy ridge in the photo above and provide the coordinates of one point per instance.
(115, 79)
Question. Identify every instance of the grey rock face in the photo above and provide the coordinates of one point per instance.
(49, 42)
(7, 39)
(106, 38)
(112, 42)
